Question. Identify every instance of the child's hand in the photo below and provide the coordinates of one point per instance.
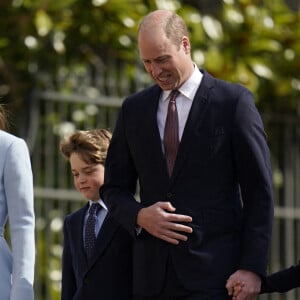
(243, 285)
(237, 287)
(234, 288)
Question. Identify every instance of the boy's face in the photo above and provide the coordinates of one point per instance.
(88, 178)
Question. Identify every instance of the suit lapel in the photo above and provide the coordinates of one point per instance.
(194, 121)
(105, 235)
(77, 229)
(151, 133)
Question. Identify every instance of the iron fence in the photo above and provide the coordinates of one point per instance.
(55, 196)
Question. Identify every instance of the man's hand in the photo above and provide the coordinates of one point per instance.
(160, 221)
(243, 285)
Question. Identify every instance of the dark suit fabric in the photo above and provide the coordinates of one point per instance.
(282, 281)
(222, 161)
(108, 274)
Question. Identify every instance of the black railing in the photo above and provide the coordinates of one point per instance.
(54, 115)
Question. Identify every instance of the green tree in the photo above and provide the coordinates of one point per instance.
(256, 43)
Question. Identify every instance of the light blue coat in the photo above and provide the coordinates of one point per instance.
(16, 207)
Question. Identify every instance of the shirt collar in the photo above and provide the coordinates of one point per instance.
(100, 201)
(189, 88)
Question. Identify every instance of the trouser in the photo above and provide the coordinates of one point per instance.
(174, 290)
(199, 295)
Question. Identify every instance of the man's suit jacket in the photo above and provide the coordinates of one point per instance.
(282, 281)
(108, 274)
(222, 178)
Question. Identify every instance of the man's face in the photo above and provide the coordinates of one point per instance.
(168, 66)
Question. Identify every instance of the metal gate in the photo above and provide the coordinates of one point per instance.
(55, 196)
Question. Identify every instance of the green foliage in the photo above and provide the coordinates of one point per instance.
(252, 42)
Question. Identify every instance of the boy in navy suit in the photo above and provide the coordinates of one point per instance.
(96, 263)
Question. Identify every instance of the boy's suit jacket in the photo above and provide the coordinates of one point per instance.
(108, 274)
(222, 159)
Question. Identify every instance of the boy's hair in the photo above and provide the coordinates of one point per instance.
(90, 145)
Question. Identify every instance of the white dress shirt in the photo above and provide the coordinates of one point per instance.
(184, 102)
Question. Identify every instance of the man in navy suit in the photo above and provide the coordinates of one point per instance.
(211, 217)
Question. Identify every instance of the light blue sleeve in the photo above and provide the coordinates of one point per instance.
(18, 186)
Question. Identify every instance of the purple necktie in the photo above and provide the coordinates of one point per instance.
(90, 237)
(171, 135)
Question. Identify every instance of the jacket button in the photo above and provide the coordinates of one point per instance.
(169, 195)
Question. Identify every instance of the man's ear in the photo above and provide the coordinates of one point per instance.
(186, 44)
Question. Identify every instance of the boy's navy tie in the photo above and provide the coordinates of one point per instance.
(90, 236)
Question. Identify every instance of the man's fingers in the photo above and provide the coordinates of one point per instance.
(229, 288)
(176, 218)
(174, 233)
(166, 206)
(173, 237)
(173, 217)
(243, 285)
(230, 291)
(175, 227)
(160, 221)
(169, 240)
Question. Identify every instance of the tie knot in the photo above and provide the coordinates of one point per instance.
(173, 95)
(94, 208)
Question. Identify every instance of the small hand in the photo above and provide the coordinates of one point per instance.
(235, 289)
(160, 221)
(243, 285)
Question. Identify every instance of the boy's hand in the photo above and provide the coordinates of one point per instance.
(237, 287)
(243, 285)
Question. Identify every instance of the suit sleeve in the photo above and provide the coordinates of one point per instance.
(68, 288)
(282, 281)
(252, 162)
(18, 185)
(121, 179)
